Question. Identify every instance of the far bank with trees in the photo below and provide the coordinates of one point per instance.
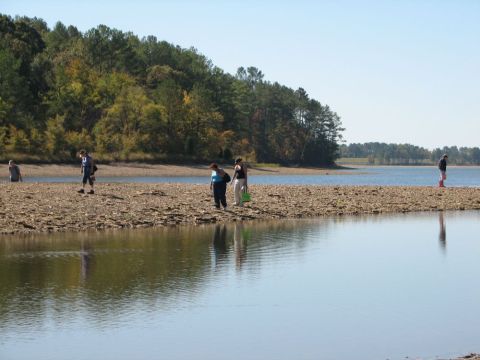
(126, 98)
(376, 153)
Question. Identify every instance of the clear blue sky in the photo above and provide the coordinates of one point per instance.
(402, 71)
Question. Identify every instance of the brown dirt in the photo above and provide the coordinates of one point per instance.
(33, 208)
(141, 169)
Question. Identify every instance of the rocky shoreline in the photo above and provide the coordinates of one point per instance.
(42, 207)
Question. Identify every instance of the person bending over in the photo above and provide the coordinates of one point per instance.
(14, 170)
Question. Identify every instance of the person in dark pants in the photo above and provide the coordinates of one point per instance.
(87, 171)
(219, 186)
(14, 170)
(442, 166)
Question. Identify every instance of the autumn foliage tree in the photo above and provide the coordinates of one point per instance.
(128, 98)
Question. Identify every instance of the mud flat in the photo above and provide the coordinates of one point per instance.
(41, 207)
(142, 169)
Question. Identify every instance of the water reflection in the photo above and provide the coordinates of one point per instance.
(240, 237)
(86, 259)
(102, 274)
(442, 236)
(220, 244)
(371, 280)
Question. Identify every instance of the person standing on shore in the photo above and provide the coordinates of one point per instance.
(239, 181)
(14, 170)
(218, 185)
(87, 171)
(442, 166)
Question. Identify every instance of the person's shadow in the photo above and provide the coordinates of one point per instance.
(442, 235)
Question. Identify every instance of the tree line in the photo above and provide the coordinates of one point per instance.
(127, 98)
(406, 154)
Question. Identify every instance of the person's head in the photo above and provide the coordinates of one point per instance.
(213, 166)
(82, 153)
(445, 156)
(11, 163)
(238, 161)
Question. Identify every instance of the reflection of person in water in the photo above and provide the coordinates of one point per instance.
(86, 258)
(240, 245)
(442, 236)
(220, 243)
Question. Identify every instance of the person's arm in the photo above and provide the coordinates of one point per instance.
(234, 174)
(20, 175)
(245, 171)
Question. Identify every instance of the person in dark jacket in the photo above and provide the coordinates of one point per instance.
(14, 170)
(442, 166)
(87, 171)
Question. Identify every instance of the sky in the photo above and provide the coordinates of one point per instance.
(398, 71)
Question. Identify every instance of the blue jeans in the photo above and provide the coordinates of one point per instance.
(87, 176)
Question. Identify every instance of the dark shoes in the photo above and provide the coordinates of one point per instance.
(82, 191)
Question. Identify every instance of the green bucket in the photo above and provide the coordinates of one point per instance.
(246, 197)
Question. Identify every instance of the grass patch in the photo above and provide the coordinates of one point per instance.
(266, 165)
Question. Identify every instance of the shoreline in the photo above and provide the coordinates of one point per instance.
(29, 208)
(159, 170)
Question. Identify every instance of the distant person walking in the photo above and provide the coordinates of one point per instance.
(218, 186)
(14, 170)
(87, 171)
(442, 166)
(239, 181)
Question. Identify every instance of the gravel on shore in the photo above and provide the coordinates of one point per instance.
(53, 207)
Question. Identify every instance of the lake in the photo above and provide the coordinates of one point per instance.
(365, 287)
(379, 175)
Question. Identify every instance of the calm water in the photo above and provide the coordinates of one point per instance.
(393, 175)
(343, 288)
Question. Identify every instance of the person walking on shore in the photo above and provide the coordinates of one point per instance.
(14, 170)
(218, 185)
(239, 181)
(442, 166)
(87, 171)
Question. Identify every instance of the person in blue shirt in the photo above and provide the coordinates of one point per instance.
(218, 185)
(87, 171)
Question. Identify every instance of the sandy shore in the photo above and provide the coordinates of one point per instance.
(141, 169)
(31, 207)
